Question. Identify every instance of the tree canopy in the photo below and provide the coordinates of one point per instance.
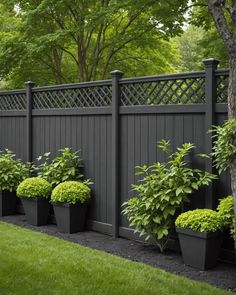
(53, 41)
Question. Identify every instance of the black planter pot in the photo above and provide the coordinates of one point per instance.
(70, 218)
(200, 250)
(7, 203)
(36, 210)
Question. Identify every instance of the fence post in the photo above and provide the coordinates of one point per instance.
(116, 76)
(29, 86)
(211, 96)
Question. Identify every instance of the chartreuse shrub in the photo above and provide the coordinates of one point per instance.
(34, 187)
(164, 187)
(62, 168)
(12, 171)
(226, 211)
(71, 192)
(201, 220)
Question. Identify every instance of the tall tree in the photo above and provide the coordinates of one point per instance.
(83, 40)
(223, 13)
(224, 16)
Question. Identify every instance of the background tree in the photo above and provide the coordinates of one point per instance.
(190, 51)
(70, 40)
(196, 44)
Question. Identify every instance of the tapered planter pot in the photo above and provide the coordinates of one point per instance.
(36, 210)
(70, 218)
(200, 250)
(7, 203)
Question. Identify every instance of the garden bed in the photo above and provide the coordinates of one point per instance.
(223, 276)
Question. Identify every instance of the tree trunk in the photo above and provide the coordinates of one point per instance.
(232, 114)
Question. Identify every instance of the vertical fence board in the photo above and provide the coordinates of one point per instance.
(12, 135)
(109, 169)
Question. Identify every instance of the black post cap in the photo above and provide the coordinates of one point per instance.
(29, 83)
(211, 62)
(117, 73)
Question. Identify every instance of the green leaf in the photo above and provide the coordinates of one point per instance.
(179, 191)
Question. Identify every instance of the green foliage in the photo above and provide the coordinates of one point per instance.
(162, 190)
(190, 53)
(71, 192)
(12, 171)
(201, 220)
(226, 211)
(66, 48)
(62, 168)
(34, 187)
(196, 44)
(224, 149)
(211, 45)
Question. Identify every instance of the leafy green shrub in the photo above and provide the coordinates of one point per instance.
(201, 220)
(163, 189)
(62, 168)
(34, 187)
(71, 192)
(12, 171)
(224, 154)
(226, 211)
(224, 149)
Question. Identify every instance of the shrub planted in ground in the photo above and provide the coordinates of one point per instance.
(13, 171)
(224, 155)
(62, 168)
(224, 149)
(162, 190)
(226, 211)
(201, 220)
(34, 187)
(71, 192)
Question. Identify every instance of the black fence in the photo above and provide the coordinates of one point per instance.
(116, 124)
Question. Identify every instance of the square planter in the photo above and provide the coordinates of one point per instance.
(7, 203)
(70, 218)
(36, 210)
(200, 250)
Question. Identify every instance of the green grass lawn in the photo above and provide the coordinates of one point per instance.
(34, 263)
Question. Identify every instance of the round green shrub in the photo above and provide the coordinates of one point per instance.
(201, 220)
(71, 192)
(34, 187)
(13, 171)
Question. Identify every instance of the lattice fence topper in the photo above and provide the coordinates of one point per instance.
(174, 91)
(222, 82)
(92, 96)
(13, 101)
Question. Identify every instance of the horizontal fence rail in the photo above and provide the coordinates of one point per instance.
(116, 124)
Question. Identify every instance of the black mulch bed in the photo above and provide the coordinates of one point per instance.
(223, 276)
